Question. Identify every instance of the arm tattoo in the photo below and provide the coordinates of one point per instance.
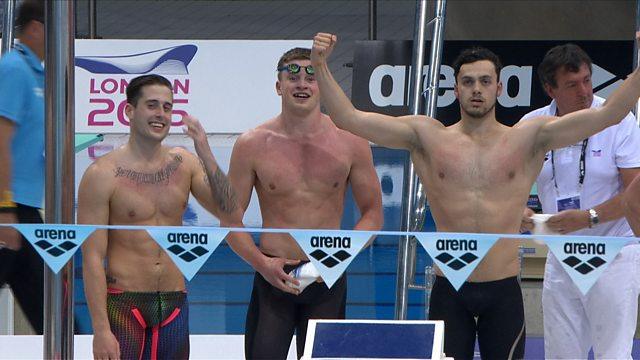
(220, 189)
(204, 170)
(159, 177)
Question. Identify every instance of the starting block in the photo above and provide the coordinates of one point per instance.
(374, 339)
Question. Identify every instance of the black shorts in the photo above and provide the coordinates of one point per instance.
(273, 315)
(493, 310)
(23, 270)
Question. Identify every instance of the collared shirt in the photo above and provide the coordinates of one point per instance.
(616, 147)
(22, 102)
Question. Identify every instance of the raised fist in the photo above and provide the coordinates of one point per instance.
(323, 44)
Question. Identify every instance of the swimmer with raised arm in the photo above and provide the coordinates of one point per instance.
(477, 175)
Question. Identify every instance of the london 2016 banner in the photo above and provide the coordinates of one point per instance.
(228, 84)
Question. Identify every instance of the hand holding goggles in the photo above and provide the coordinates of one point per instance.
(294, 68)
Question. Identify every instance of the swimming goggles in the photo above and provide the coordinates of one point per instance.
(294, 68)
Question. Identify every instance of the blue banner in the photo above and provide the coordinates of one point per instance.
(456, 254)
(585, 258)
(56, 243)
(188, 248)
(331, 251)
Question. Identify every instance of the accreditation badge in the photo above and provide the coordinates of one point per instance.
(568, 202)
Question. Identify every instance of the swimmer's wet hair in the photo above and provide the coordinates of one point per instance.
(471, 55)
(568, 57)
(296, 53)
(134, 89)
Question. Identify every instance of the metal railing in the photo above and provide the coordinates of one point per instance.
(8, 15)
(415, 207)
(60, 159)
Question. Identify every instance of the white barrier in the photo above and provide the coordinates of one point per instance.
(212, 347)
(6, 310)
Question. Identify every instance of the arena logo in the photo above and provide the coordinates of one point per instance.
(188, 255)
(188, 238)
(456, 263)
(106, 92)
(399, 77)
(581, 249)
(330, 260)
(518, 79)
(47, 237)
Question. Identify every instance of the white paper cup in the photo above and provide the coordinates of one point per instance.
(540, 225)
(306, 274)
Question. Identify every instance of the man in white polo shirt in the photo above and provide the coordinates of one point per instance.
(583, 184)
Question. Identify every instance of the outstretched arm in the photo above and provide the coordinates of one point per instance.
(232, 198)
(389, 131)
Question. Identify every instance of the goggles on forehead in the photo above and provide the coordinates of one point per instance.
(294, 68)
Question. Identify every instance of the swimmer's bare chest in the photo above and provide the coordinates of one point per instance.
(135, 261)
(476, 186)
(300, 185)
(138, 202)
(480, 187)
(302, 174)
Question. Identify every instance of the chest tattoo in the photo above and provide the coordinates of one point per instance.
(159, 177)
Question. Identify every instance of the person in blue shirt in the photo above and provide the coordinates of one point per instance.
(22, 159)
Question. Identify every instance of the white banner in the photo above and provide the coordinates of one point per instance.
(228, 84)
